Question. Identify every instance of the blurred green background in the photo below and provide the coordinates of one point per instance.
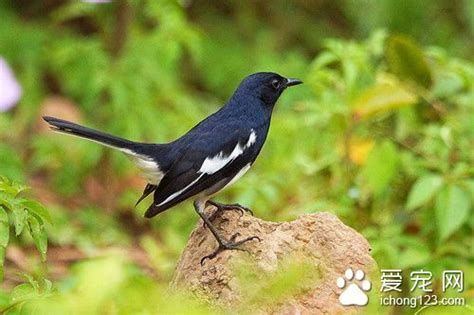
(381, 134)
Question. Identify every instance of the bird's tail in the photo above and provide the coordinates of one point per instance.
(150, 158)
(67, 127)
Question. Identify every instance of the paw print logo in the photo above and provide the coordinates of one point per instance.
(353, 293)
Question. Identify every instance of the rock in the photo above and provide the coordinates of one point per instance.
(317, 247)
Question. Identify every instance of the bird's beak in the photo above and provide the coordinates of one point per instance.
(291, 82)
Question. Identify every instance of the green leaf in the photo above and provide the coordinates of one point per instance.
(423, 190)
(6, 189)
(382, 97)
(22, 292)
(37, 208)
(6, 200)
(39, 235)
(4, 181)
(4, 234)
(452, 210)
(11, 188)
(48, 285)
(406, 60)
(3, 216)
(31, 280)
(20, 216)
(380, 167)
(4, 228)
(2, 259)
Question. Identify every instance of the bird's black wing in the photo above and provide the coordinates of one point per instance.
(209, 158)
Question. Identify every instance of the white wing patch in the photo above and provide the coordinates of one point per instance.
(252, 138)
(213, 164)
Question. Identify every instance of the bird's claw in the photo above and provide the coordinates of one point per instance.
(248, 210)
(230, 245)
(235, 206)
(223, 207)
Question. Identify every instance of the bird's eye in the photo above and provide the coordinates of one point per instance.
(275, 84)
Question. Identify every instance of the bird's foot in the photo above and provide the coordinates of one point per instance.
(227, 207)
(229, 245)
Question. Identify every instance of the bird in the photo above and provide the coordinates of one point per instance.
(211, 156)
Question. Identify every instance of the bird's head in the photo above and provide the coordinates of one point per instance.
(266, 86)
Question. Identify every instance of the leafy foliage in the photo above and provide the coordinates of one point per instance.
(413, 164)
(24, 215)
(406, 60)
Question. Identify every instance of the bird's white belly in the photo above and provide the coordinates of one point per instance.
(238, 175)
(212, 191)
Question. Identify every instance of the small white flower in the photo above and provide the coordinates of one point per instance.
(10, 89)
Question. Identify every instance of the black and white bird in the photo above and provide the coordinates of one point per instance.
(211, 156)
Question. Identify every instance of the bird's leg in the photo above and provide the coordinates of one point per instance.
(223, 243)
(226, 207)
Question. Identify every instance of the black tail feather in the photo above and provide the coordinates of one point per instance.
(149, 188)
(153, 210)
(68, 127)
